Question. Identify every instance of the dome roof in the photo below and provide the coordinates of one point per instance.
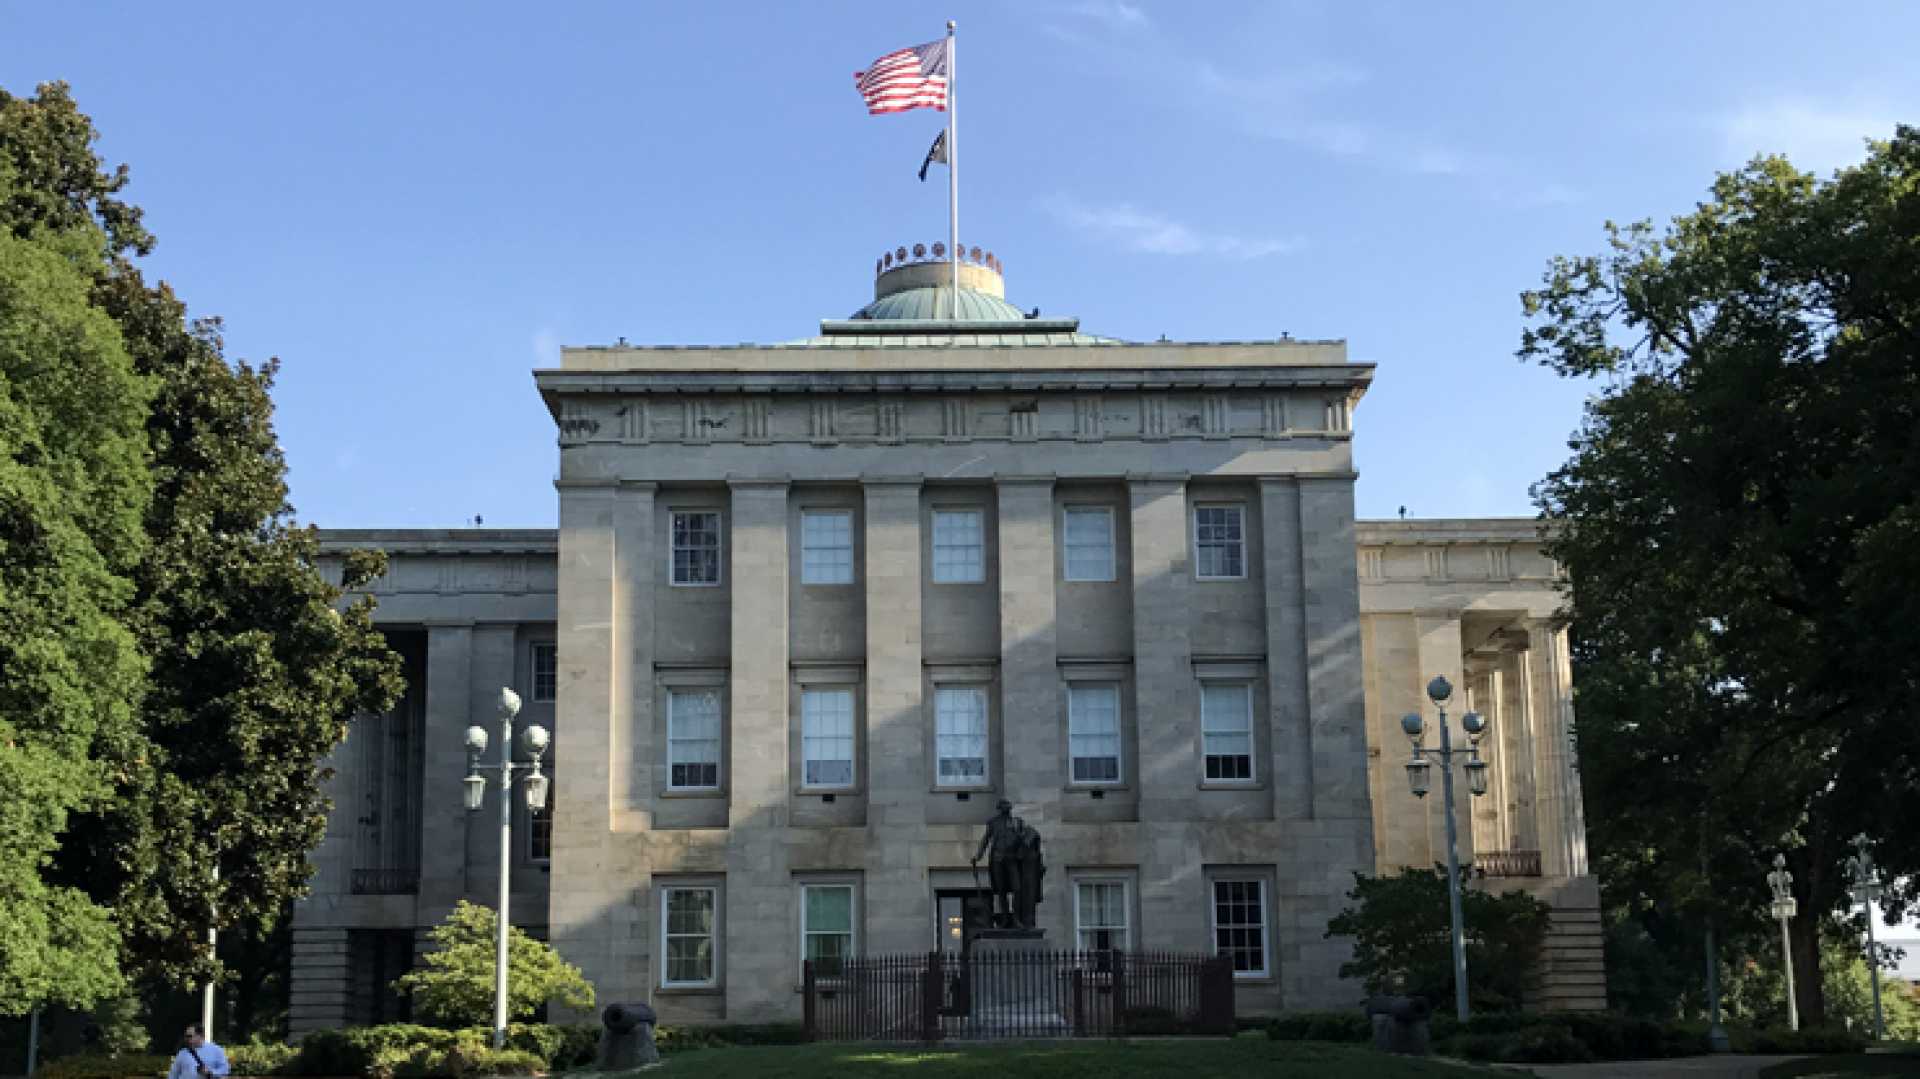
(933, 302)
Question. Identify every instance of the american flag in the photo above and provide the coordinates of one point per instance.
(912, 78)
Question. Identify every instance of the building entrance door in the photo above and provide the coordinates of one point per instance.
(960, 913)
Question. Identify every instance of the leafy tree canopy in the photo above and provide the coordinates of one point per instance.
(454, 986)
(1740, 523)
(252, 672)
(73, 488)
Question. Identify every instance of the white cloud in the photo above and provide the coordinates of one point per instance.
(1814, 134)
(1141, 230)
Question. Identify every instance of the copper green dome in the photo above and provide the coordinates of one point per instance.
(935, 302)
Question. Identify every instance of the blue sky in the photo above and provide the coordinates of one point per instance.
(413, 205)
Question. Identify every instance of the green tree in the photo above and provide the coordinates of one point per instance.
(72, 492)
(1402, 930)
(254, 670)
(454, 986)
(1740, 523)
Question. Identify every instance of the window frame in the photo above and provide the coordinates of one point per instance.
(1193, 530)
(1067, 512)
(719, 547)
(979, 514)
(1119, 733)
(1264, 904)
(537, 816)
(719, 739)
(853, 561)
(852, 736)
(1252, 778)
(853, 923)
(534, 651)
(985, 780)
(713, 935)
(1126, 912)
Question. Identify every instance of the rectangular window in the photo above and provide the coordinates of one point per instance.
(959, 547)
(826, 737)
(696, 547)
(960, 735)
(540, 832)
(1093, 732)
(1088, 541)
(1219, 542)
(1100, 915)
(1240, 925)
(826, 927)
(546, 670)
(1226, 730)
(687, 936)
(826, 547)
(693, 739)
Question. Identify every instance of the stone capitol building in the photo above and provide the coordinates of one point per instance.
(814, 607)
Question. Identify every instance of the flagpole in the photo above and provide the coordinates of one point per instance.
(953, 172)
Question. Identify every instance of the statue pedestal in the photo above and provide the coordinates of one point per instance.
(1017, 987)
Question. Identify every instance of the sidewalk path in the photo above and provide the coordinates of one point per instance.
(1719, 1066)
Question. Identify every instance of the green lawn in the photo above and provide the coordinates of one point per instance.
(1185, 1058)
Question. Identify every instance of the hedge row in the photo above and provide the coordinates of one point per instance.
(1563, 1037)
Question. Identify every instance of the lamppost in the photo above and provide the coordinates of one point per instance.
(534, 739)
(1865, 891)
(1784, 908)
(1440, 691)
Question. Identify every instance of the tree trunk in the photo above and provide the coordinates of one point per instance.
(1816, 898)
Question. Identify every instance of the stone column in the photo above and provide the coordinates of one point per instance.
(898, 773)
(630, 720)
(1440, 654)
(489, 669)
(321, 988)
(761, 952)
(1330, 598)
(1030, 715)
(1489, 810)
(1563, 841)
(445, 827)
(1289, 728)
(593, 917)
(1516, 746)
(1166, 711)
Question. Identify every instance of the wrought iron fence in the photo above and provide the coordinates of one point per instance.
(939, 996)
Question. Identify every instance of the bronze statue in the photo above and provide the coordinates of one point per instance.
(1014, 868)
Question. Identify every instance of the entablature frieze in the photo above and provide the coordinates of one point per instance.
(829, 409)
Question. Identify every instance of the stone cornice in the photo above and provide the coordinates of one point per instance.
(554, 383)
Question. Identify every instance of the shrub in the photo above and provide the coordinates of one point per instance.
(106, 1066)
(579, 1046)
(1807, 1040)
(454, 984)
(678, 1038)
(355, 1050)
(262, 1059)
(1548, 1043)
(1402, 937)
(1353, 1026)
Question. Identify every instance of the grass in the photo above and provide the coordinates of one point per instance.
(1904, 1061)
(1186, 1058)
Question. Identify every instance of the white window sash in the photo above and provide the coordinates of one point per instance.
(1100, 551)
(1260, 911)
(962, 558)
(674, 547)
(851, 933)
(1227, 550)
(828, 738)
(826, 547)
(961, 737)
(711, 936)
(1119, 928)
(691, 748)
(1231, 738)
(1094, 745)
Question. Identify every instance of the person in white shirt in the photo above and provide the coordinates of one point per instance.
(201, 1058)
